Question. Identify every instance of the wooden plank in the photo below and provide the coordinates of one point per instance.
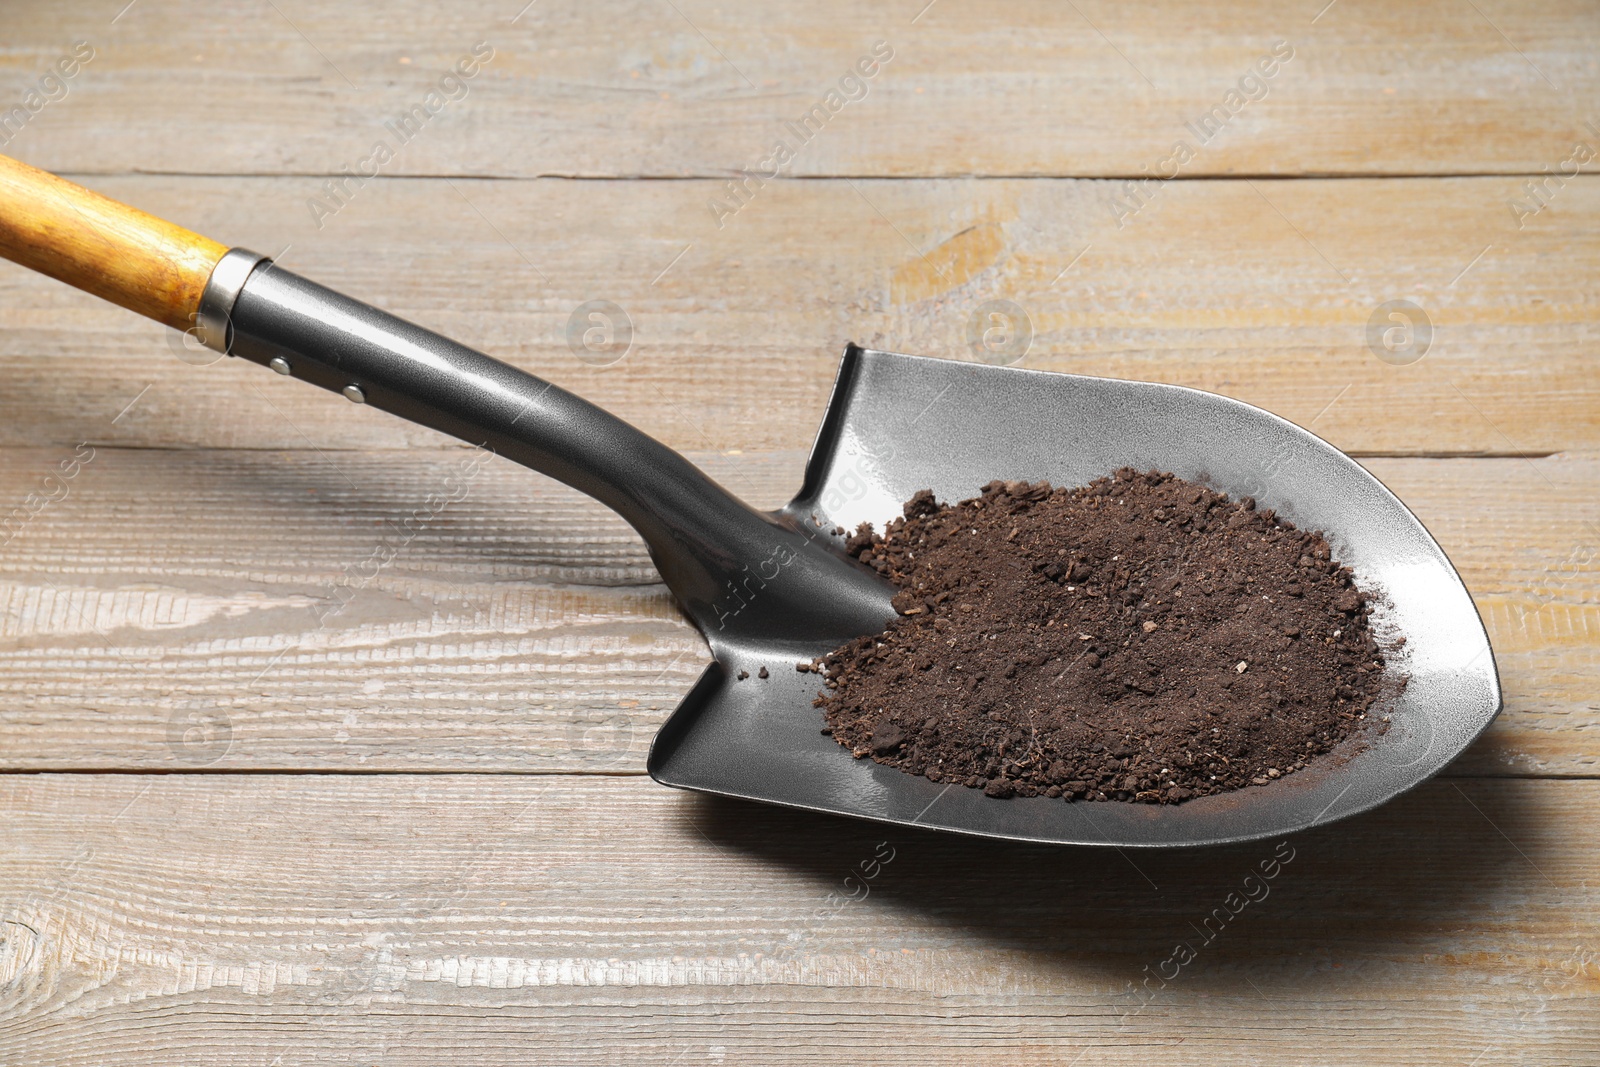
(257, 919)
(690, 88)
(217, 579)
(1263, 291)
(257, 610)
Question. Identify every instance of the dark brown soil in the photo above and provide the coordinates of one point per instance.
(1140, 638)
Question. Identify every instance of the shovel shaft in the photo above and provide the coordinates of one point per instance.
(96, 244)
(739, 574)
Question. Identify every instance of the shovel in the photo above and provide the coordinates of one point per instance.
(775, 589)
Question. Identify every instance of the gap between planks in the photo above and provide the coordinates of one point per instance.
(444, 772)
(841, 176)
(448, 446)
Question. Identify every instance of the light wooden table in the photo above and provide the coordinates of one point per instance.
(418, 830)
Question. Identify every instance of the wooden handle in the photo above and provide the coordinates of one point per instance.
(116, 252)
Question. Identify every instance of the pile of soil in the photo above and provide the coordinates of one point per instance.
(1140, 638)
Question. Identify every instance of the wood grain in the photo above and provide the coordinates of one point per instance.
(282, 919)
(178, 610)
(107, 249)
(1262, 291)
(174, 538)
(638, 87)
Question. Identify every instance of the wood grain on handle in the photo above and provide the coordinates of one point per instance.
(116, 252)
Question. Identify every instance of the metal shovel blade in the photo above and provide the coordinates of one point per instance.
(897, 424)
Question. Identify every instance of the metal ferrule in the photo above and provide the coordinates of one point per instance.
(213, 320)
